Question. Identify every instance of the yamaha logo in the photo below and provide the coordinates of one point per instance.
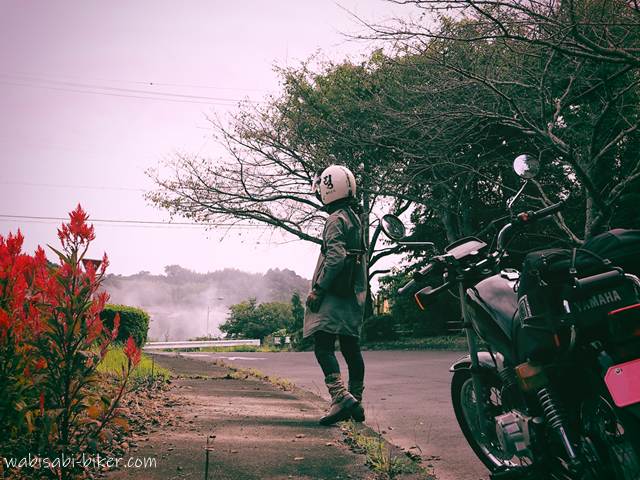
(598, 300)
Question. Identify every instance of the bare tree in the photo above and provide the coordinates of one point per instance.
(604, 31)
(273, 153)
(262, 181)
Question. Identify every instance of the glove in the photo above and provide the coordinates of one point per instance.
(314, 300)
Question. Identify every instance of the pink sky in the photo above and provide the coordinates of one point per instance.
(61, 145)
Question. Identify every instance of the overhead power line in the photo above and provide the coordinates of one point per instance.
(136, 91)
(148, 83)
(175, 98)
(59, 185)
(131, 222)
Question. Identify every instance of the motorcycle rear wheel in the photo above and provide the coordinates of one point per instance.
(463, 398)
(610, 440)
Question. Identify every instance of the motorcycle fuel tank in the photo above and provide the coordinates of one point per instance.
(491, 307)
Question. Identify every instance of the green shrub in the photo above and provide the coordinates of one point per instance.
(379, 327)
(300, 344)
(133, 321)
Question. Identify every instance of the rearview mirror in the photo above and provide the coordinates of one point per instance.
(526, 166)
(393, 227)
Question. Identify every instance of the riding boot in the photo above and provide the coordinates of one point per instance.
(356, 388)
(341, 400)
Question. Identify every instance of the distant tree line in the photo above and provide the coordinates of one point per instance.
(181, 302)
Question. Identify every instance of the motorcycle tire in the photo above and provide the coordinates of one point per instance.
(614, 435)
(463, 407)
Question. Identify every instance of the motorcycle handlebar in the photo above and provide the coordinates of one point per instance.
(550, 210)
(407, 288)
(526, 218)
(523, 218)
(601, 280)
(414, 284)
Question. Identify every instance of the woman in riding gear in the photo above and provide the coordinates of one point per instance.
(335, 305)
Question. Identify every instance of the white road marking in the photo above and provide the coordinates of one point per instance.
(244, 358)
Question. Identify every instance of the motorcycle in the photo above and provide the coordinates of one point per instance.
(550, 387)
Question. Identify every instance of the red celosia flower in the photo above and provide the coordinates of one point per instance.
(41, 364)
(132, 351)
(76, 231)
(116, 326)
(95, 329)
(14, 243)
(78, 225)
(42, 403)
(5, 321)
(104, 264)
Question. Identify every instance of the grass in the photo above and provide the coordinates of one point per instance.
(115, 360)
(440, 342)
(379, 456)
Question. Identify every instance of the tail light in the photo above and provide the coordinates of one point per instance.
(625, 322)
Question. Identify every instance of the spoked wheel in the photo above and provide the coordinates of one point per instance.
(610, 440)
(486, 447)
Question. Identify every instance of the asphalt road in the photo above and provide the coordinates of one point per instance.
(407, 398)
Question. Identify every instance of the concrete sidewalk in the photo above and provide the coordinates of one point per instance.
(256, 431)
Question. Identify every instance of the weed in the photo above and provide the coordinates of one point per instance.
(242, 373)
(380, 459)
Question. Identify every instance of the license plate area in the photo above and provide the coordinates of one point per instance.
(623, 383)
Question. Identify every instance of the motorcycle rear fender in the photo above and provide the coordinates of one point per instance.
(485, 360)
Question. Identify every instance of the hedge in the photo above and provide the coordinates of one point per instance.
(379, 327)
(133, 321)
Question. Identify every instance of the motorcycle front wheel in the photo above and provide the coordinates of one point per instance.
(486, 447)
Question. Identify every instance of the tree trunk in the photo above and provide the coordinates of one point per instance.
(449, 222)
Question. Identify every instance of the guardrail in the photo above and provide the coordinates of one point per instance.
(199, 344)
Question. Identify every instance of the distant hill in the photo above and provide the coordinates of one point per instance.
(178, 301)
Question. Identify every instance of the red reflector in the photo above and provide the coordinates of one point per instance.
(624, 309)
(418, 301)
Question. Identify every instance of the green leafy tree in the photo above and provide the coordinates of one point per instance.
(249, 319)
(297, 312)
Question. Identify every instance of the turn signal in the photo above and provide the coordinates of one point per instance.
(532, 376)
(417, 298)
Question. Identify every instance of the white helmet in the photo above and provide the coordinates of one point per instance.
(334, 183)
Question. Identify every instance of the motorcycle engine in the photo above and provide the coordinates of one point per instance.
(513, 433)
